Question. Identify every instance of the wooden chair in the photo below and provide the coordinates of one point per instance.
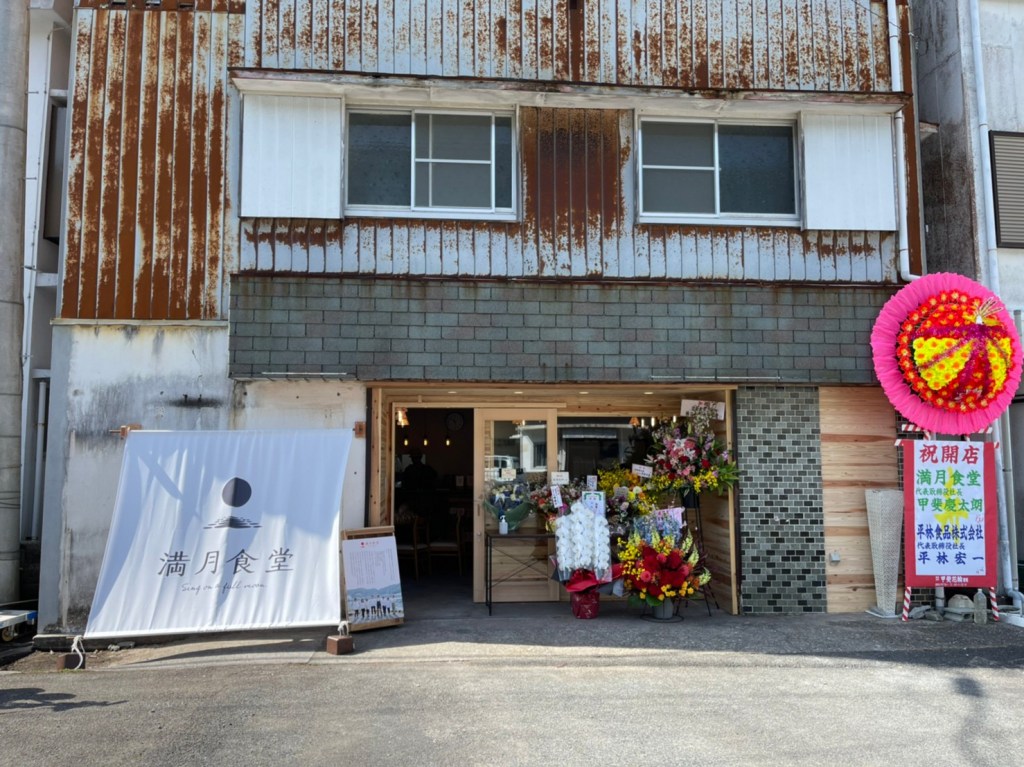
(451, 545)
(412, 538)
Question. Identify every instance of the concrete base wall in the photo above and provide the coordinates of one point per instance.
(162, 376)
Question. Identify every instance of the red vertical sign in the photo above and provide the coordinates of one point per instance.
(950, 526)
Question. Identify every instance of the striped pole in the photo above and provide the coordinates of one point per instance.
(995, 605)
(906, 604)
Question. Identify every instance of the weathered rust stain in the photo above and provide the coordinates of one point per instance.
(654, 50)
(562, 162)
(270, 49)
(744, 75)
(638, 57)
(217, 188)
(180, 156)
(791, 74)
(286, 35)
(198, 199)
(129, 176)
(149, 106)
(610, 207)
(164, 193)
(500, 37)
(109, 171)
(577, 203)
(670, 46)
(91, 194)
(76, 169)
(700, 77)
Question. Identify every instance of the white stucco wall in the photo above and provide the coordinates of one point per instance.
(163, 376)
(1002, 30)
(311, 405)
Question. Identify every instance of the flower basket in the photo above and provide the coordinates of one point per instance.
(585, 604)
(514, 515)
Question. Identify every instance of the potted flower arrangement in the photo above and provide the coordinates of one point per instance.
(690, 460)
(544, 505)
(659, 564)
(626, 496)
(509, 503)
(583, 557)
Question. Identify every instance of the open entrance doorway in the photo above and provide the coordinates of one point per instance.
(461, 442)
(433, 502)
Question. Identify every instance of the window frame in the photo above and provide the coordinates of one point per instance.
(718, 218)
(356, 210)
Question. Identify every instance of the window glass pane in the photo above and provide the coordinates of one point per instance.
(689, 144)
(503, 162)
(379, 150)
(422, 184)
(678, 191)
(456, 137)
(756, 173)
(422, 131)
(461, 186)
(592, 443)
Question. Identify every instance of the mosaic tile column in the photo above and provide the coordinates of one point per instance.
(781, 521)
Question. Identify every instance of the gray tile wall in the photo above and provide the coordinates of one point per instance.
(376, 329)
(781, 522)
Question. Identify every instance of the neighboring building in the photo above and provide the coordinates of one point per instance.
(970, 71)
(537, 218)
(49, 52)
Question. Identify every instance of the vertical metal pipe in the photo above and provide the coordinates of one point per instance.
(13, 111)
(37, 485)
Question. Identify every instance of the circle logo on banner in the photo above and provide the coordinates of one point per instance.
(947, 354)
(237, 492)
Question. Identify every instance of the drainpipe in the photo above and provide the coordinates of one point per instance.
(14, 23)
(896, 64)
(990, 269)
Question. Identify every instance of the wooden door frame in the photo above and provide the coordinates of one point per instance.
(528, 413)
(565, 399)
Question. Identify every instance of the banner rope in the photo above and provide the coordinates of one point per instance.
(78, 649)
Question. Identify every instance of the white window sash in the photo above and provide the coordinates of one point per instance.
(718, 217)
(432, 211)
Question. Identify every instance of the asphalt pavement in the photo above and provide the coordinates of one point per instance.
(531, 685)
(547, 633)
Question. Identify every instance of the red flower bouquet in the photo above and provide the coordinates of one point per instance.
(661, 567)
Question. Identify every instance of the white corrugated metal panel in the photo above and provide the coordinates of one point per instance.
(795, 45)
(291, 157)
(849, 178)
(578, 221)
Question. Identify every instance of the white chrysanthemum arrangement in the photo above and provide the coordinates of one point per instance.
(582, 541)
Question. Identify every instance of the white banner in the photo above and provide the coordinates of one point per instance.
(217, 531)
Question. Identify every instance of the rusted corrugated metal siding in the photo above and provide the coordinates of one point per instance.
(150, 228)
(578, 221)
(792, 45)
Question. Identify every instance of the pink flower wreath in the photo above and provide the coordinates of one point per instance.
(947, 354)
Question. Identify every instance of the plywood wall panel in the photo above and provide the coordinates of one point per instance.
(858, 428)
